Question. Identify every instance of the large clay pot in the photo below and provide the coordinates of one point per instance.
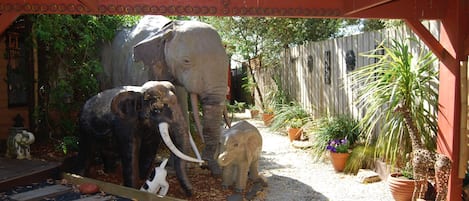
(294, 133)
(401, 187)
(339, 160)
(267, 118)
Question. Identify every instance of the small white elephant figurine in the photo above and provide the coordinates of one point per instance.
(157, 181)
(240, 150)
(22, 142)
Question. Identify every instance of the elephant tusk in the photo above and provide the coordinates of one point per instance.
(195, 112)
(194, 148)
(163, 127)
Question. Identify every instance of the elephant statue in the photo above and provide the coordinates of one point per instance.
(190, 54)
(132, 121)
(19, 145)
(240, 149)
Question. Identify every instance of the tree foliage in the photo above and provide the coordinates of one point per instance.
(68, 47)
(266, 37)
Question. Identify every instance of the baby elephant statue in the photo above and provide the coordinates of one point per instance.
(240, 150)
(19, 145)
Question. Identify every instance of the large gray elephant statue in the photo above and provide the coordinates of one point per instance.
(190, 54)
(132, 121)
(240, 150)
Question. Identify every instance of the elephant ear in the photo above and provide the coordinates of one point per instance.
(151, 52)
(253, 143)
(127, 104)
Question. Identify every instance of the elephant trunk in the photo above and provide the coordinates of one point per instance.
(211, 132)
(163, 128)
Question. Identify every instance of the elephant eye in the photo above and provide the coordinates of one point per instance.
(236, 145)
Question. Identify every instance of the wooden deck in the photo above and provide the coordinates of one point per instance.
(15, 172)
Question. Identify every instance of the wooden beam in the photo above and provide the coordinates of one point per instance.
(463, 143)
(6, 19)
(118, 190)
(419, 9)
(90, 4)
(428, 38)
(356, 6)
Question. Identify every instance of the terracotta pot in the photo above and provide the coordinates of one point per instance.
(401, 188)
(339, 160)
(254, 113)
(294, 134)
(267, 118)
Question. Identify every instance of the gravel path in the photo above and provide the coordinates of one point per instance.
(293, 175)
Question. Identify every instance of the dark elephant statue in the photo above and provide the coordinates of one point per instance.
(189, 54)
(132, 121)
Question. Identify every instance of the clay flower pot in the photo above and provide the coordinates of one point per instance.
(339, 160)
(401, 187)
(294, 134)
(267, 118)
(254, 113)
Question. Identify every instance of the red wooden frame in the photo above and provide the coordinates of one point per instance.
(452, 47)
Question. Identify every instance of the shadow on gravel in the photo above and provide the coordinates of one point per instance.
(283, 188)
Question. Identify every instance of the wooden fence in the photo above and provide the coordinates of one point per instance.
(316, 74)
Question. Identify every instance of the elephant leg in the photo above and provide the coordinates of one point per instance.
(211, 131)
(147, 157)
(242, 177)
(129, 146)
(253, 170)
(228, 175)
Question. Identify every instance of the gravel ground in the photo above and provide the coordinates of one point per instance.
(293, 175)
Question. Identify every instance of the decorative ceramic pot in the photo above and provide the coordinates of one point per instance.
(401, 187)
(294, 133)
(339, 160)
(267, 118)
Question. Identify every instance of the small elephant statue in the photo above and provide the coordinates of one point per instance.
(240, 149)
(20, 145)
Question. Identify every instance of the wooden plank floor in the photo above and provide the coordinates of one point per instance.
(15, 172)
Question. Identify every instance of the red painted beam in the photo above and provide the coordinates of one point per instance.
(401, 9)
(419, 9)
(355, 6)
(6, 19)
(429, 39)
(90, 4)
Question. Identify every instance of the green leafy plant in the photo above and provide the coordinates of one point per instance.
(69, 46)
(361, 157)
(67, 144)
(397, 78)
(329, 128)
(289, 115)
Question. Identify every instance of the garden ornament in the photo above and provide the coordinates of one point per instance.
(240, 150)
(21, 145)
(157, 181)
(424, 161)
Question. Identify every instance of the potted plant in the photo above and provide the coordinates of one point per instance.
(254, 111)
(294, 129)
(326, 129)
(339, 153)
(397, 78)
(291, 117)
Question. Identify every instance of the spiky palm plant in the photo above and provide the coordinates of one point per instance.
(397, 77)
